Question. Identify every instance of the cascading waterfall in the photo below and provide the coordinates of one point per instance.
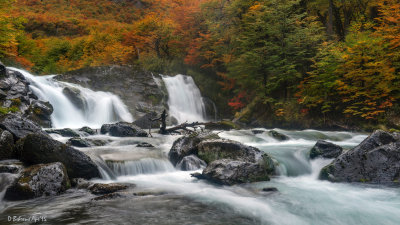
(184, 99)
(142, 166)
(99, 107)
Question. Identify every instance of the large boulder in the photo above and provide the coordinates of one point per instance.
(326, 150)
(39, 180)
(191, 162)
(6, 145)
(375, 160)
(66, 132)
(75, 96)
(145, 122)
(88, 130)
(79, 142)
(211, 150)
(101, 189)
(187, 145)
(230, 172)
(39, 148)
(40, 112)
(123, 129)
(18, 126)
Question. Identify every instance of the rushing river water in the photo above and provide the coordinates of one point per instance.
(164, 195)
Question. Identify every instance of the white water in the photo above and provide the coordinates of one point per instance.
(101, 107)
(184, 99)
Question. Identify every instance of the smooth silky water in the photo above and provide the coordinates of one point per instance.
(174, 197)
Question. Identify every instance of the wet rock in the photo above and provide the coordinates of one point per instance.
(97, 142)
(257, 131)
(123, 129)
(18, 126)
(108, 196)
(105, 128)
(39, 180)
(145, 145)
(147, 193)
(101, 189)
(80, 183)
(191, 162)
(10, 166)
(2, 70)
(78, 142)
(325, 149)
(211, 150)
(88, 130)
(222, 125)
(39, 148)
(187, 145)
(270, 189)
(230, 172)
(278, 136)
(66, 132)
(75, 96)
(375, 160)
(6, 145)
(198, 176)
(40, 112)
(3, 95)
(144, 122)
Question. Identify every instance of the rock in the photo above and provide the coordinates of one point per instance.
(66, 132)
(229, 172)
(191, 162)
(39, 148)
(257, 131)
(105, 128)
(187, 145)
(375, 160)
(75, 96)
(6, 145)
(78, 142)
(38, 180)
(147, 193)
(198, 176)
(88, 130)
(19, 127)
(96, 142)
(144, 145)
(270, 189)
(278, 136)
(11, 166)
(3, 95)
(144, 121)
(211, 150)
(222, 125)
(101, 189)
(123, 129)
(40, 112)
(2, 70)
(80, 183)
(325, 149)
(108, 196)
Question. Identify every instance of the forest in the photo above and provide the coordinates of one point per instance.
(296, 63)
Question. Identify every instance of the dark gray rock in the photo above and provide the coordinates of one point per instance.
(230, 172)
(278, 136)
(78, 142)
(144, 145)
(105, 128)
(10, 166)
(2, 70)
(75, 96)
(375, 160)
(325, 149)
(6, 145)
(108, 196)
(101, 189)
(191, 162)
(187, 145)
(39, 148)
(123, 129)
(18, 126)
(66, 132)
(88, 130)
(144, 122)
(80, 183)
(40, 112)
(39, 180)
(257, 131)
(270, 189)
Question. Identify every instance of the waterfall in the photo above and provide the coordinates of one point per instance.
(184, 99)
(141, 166)
(78, 106)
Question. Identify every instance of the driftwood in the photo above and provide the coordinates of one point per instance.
(184, 126)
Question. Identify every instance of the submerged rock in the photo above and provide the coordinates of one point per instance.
(66, 132)
(187, 145)
(6, 145)
(191, 162)
(255, 131)
(145, 145)
(123, 129)
(10, 166)
(78, 142)
(18, 126)
(101, 189)
(325, 149)
(88, 130)
(230, 172)
(39, 148)
(108, 196)
(278, 136)
(375, 160)
(38, 180)
(270, 189)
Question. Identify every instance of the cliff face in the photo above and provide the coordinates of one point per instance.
(137, 88)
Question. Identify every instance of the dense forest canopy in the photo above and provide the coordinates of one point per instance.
(330, 61)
